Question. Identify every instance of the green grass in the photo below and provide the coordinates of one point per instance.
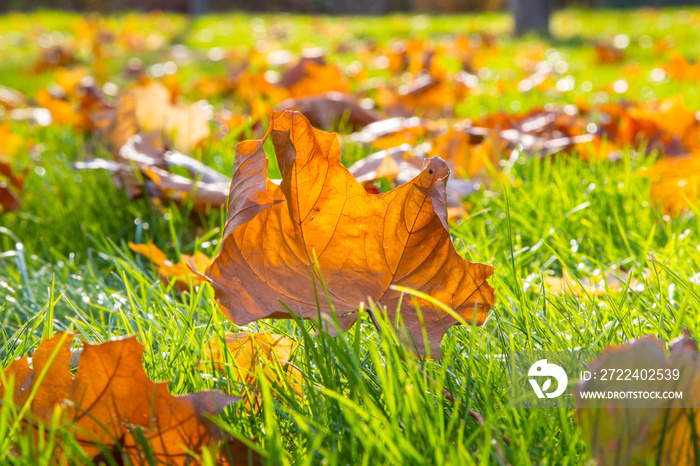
(65, 265)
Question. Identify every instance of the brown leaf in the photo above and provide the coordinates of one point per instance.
(426, 96)
(184, 125)
(663, 433)
(331, 111)
(11, 182)
(364, 243)
(9, 200)
(675, 183)
(403, 163)
(181, 273)
(108, 397)
(119, 124)
(312, 76)
(608, 54)
(53, 57)
(388, 163)
(681, 68)
(593, 286)
(172, 187)
(149, 108)
(392, 132)
(62, 112)
(251, 355)
(146, 154)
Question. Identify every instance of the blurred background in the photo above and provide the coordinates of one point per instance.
(322, 6)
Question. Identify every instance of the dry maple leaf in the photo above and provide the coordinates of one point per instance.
(400, 165)
(680, 67)
(675, 182)
(53, 57)
(608, 54)
(179, 274)
(426, 95)
(674, 117)
(145, 153)
(392, 132)
(149, 108)
(11, 182)
(388, 164)
(119, 124)
(596, 286)
(252, 354)
(62, 112)
(665, 432)
(331, 111)
(364, 243)
(312, 76)
(108, 397)
(184, 125)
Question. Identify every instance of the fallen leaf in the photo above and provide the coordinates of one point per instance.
(250, 355)
(466, 152)
(364, 244)
(663, 433)
(608, 54)
(10, 143)
(118, 124)
(400, 165)
(180, 274)
(184, 125)
(312, 76)
(70, 79)
(53, 57)
(426, 96)
(146, 155)
(675, 183)
(388, 163)
(674, 117)
(108, 398)
(392, 132)
(331, 111)
(11, 183)
(62, 112)
(681, 68)
(595, 286)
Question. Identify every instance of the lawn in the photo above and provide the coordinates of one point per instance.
(66, 265)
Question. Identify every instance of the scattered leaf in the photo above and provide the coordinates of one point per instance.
(675, 183)
(249, 355)
(331, 111)
(664, 433)
(362, 244)
(595, 286)
(180, 274)
(110, 397)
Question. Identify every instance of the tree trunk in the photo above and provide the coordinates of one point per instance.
(198, 7)
(531, 16)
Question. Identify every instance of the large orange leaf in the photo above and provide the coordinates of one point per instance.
(364, 243)
(108, 397)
